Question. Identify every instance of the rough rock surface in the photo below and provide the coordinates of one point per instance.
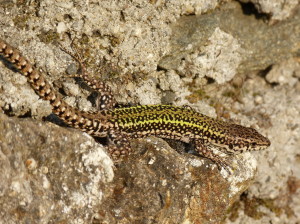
(151, 53)
(276, 9)
(50, 174)
(274, 197)
(217, 46)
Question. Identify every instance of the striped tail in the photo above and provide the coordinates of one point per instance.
(72, 116)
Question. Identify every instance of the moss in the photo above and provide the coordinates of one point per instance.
(21, 21)
(48, 37)
(271, 204)
(229, 93)
(252, 207)
(256, 94)
(84, 40)
(197, 95)
(234, 93)
(115, 41)
(25, 12)
(221, 110)
(234, 211)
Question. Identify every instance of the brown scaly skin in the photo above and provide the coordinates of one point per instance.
(122, 124)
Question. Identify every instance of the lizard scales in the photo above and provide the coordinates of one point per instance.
(122, 124)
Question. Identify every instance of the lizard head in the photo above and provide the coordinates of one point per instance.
(236, 138)
(239, 138)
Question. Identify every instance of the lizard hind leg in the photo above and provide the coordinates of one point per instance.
(208, 152)
(105, 99)
(118, 146)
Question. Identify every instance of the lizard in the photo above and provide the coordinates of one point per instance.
(120, 125)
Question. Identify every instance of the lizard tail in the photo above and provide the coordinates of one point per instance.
(41, 86)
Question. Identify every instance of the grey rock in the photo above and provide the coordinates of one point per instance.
(50, 174)
(261, 44)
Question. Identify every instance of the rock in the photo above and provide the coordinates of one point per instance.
(285, 72)
(55, 174)
(159, 185)
(192, 42)
(140, 47)
(277, 9)
(49, 173)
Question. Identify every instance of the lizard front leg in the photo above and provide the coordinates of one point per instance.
(206, 150)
